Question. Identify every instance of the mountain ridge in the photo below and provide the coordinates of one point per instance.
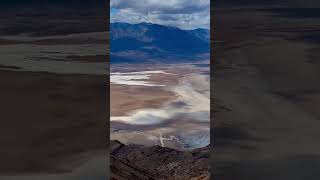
(147, 42)
(156, 162)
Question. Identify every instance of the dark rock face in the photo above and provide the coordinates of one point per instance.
(140, 162)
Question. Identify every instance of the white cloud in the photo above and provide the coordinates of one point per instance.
(186, 14)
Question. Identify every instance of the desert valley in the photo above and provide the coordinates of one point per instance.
(166, 105)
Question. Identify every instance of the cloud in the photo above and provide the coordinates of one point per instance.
(186, 14)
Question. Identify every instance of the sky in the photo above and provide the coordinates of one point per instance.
(185, 14)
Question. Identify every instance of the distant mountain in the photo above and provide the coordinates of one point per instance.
(145, 42)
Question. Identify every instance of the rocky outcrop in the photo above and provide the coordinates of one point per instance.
(156, 162)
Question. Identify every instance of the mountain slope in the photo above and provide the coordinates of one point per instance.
(145, 42)
(139, 162)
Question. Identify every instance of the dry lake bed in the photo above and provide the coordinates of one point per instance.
(166, 105)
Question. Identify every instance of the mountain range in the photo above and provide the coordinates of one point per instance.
(149, 43)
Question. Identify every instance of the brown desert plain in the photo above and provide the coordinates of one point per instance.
(53, 101)
(163, 145)
(266, 90)
(127, 99)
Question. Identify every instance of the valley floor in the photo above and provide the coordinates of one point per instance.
(170, 106)
(53, 106)
(266, 96)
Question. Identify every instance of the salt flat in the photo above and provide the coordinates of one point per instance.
(167, 107)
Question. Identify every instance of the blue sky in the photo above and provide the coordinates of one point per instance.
(113, 11)
(185, 14)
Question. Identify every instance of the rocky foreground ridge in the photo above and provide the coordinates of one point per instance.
(136, 162)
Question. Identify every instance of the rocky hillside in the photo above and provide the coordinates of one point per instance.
(140, 162)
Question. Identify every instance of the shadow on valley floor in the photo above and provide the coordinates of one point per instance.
(266, 77)
(287, 168)
(52, 123)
